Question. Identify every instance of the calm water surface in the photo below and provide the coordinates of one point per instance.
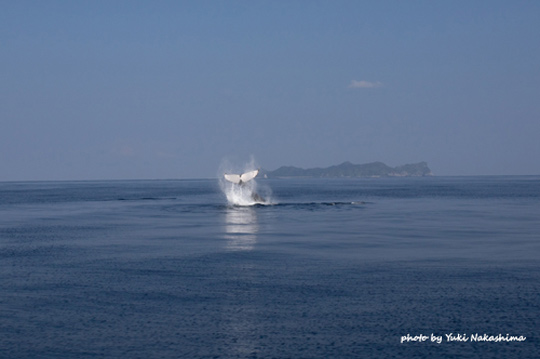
(339, 268)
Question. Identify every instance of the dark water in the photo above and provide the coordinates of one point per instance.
(334, 269)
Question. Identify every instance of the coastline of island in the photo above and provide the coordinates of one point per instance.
(348, 169)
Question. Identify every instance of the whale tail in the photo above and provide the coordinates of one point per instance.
(241, 178)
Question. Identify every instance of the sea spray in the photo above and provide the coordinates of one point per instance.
(239, 195)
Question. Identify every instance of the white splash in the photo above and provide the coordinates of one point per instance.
(239, 195)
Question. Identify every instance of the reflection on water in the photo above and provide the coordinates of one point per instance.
(240, 316)
(241, 228)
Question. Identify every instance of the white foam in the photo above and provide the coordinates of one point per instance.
(239, 195)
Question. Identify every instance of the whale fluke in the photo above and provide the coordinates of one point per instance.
(241, 178)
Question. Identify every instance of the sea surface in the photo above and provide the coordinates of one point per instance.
(327, 268)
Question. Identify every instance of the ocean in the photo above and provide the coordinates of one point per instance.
(325, 268)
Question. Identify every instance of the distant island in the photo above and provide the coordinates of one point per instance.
(348, 169)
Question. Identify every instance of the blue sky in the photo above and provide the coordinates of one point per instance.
(172, 89)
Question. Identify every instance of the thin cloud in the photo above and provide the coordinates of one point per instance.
(124, 151)
(364, 84)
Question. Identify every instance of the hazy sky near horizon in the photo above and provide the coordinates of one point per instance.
(174, 89)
